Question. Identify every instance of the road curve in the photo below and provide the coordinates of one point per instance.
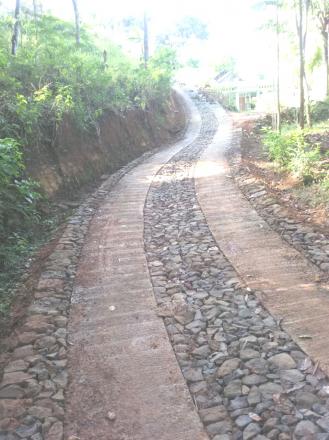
(121, 363)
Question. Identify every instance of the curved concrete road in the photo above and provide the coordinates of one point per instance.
(265, 262)
(121, 361)
(126, 382)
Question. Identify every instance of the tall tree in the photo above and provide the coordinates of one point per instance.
(17, 28)
(302, 10)
(321, 11)
(277, 31)
(77, 21)
(35, 9)
(275, 25)
(146, 39)
(191, 26)
(35, 15)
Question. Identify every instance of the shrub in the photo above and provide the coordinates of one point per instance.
(320, 111)
(289, 115)
(50, 77)
(18, 195)
(293, 153)
(304, 164)
(280, 147)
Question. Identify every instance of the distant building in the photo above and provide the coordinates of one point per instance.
(242, 95)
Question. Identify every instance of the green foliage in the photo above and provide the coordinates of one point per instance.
(292, 152)
(162, 65)
(18, 195)
(181, 32)
(48, 80)
(304, 163)
(50, 77)
(289, 115)
(280, 147)
(320, 111)
(191, 26)
(193, 62)
(227, 64)
(19, 215)
(316, 60)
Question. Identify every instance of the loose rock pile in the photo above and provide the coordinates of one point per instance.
(32, 390)
(247, 377)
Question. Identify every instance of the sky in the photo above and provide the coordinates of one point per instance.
(232, 25)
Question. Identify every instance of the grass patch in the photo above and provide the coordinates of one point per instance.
(294, 153)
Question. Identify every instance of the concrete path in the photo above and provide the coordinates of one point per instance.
(121, 362)
(248, 378)
(133, 373)
(263, 260)
(162, 332)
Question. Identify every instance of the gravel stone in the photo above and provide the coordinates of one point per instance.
(324, 423)
(305, 399)
(214, 414)
(228, 367)
(254, 379)
(269, 389)
(27, 431)
(243, 421)
(55, 432)
(241, 359)
(223, 427)
(282, 361)
(193, 374)
(292, 376)
(248, 353)
(251, 431)
(233, 389)
(305, 428)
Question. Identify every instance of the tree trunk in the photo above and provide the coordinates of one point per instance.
(35, 15)
(301, 66)
(77, 21)
(35, 9)
(17, 29)
(326, 59)
(308, 102)
(146, 41)
(278, 104)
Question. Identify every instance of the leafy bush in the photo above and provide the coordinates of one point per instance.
(280, 147)
(50, 77)
(289, 115)
(18, 195)
(320, 111)
(304, 164)
(293, 153)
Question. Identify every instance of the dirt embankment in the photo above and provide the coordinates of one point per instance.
(76, 157)
(303, 202)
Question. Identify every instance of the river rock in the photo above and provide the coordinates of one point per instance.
(228, 367)
(324, 423)
(305, 429)
(193, 374)
(283, 361)
(251, 431)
